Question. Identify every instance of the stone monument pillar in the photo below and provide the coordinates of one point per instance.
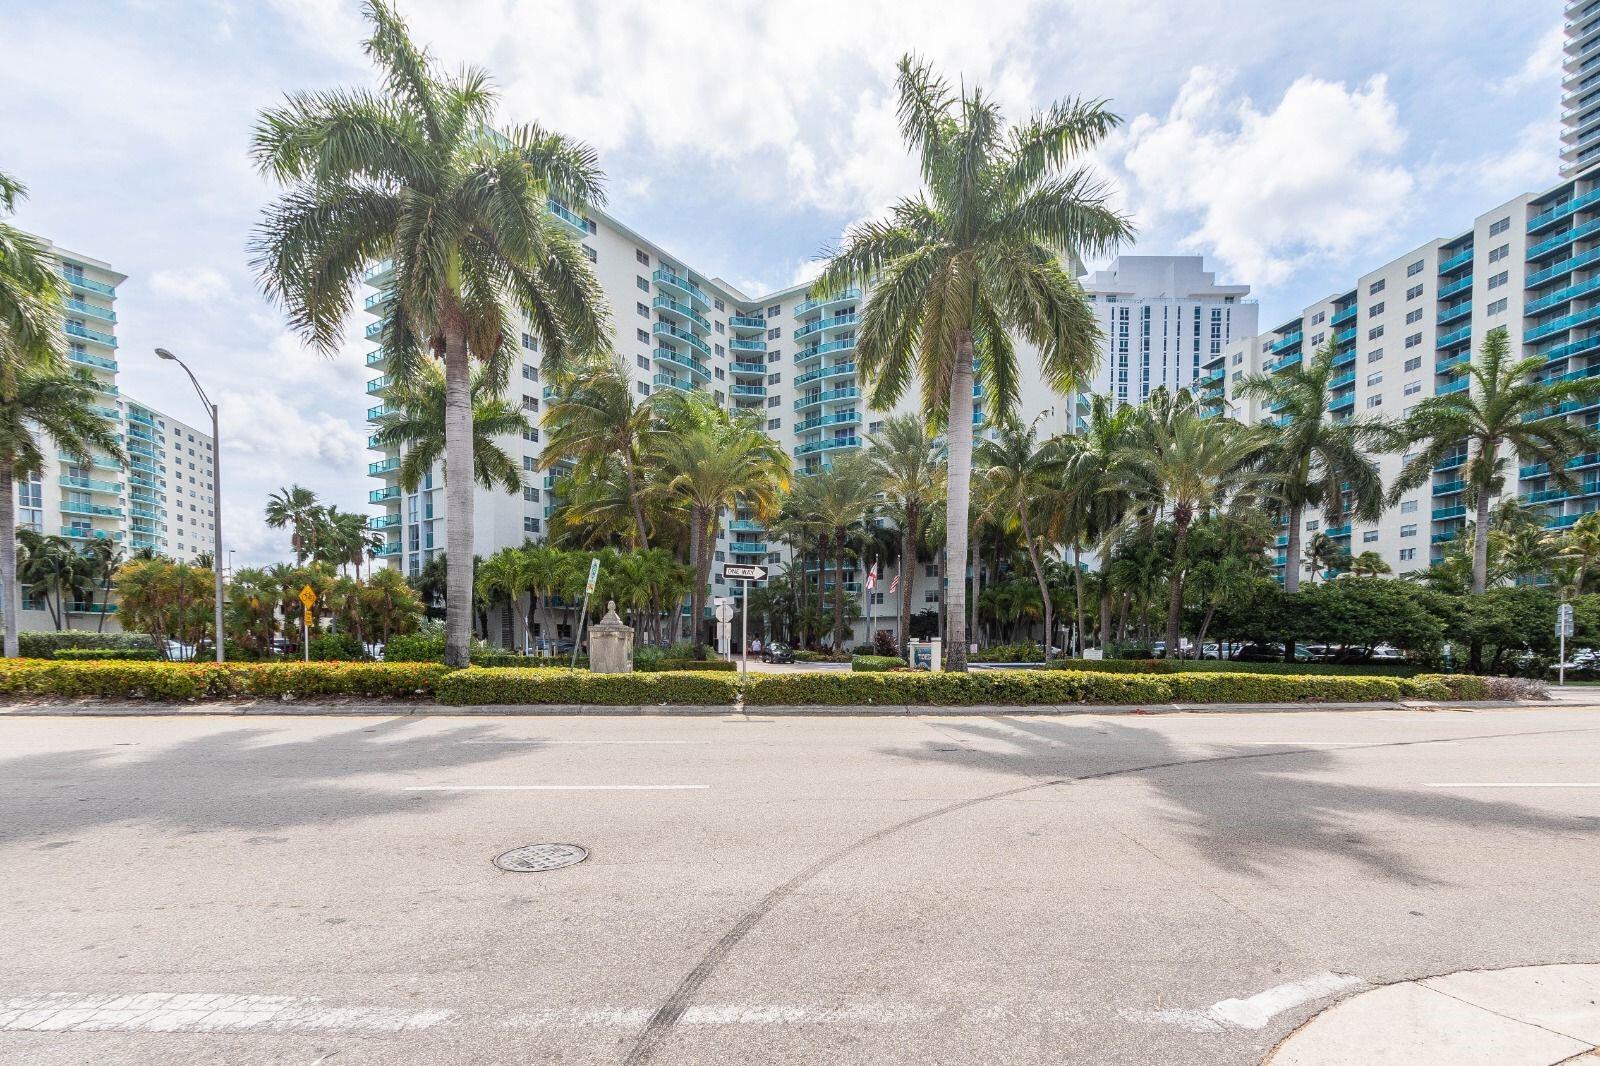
(610, 644)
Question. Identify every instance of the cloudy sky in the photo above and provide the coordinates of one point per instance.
(1293, 144)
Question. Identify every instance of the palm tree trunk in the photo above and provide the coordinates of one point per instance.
(1291, 553)
(1038, 574)
(1180, 539)
(1077, 588)
(908, 557)
(838, 590)
(10, 594)
(633, 496)
(1105, 595)
(959, 482)
(1480, 544)
(697, 595)
(458, 495)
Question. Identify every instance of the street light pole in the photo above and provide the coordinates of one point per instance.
(216, 494)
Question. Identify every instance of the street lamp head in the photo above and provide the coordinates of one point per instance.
(163, 353)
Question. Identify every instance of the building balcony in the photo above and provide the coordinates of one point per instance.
(746, 525)
(110, 414)
(1463, 382)
(1446, 366)
(91, 485)
(849, 295)
(667, 381)
(747, 547)
(384, 521)
(154, 514)
(747, 368)
(682, 312)
(1565, 266)
(1446, 514)
(83, 284)
(96, 361)
(99, 510)
(77, 329)
(695, 367)
(1461, 284)
(1560, 211)
(1339, 403)
(815, 351)
(1454, 312)
(747, 322)
(375, 413)
(377, 385)
(86, 534)
(1562, 296)
(378, 301)
(1446, 340)
(1284, 363)
(1444, 536)
(1455, 262)
(573, 220)
(1344, 359)
(377, 357)
(747, 390)
(383, 467)
(1564, 238)
(812, 400)
(667, 329)
(1572, 348)
(835, 371)
(838, 418)
(84, 307)
(1449, 488)
(1560, 325)
(1344, 336)
(1283, 344)
(1342, 316)
(740, 344)
(391, 492)
(684, 286)
(827, 445)
(1341, 380)
(1338, 532)
(845, 321)
(389, 549)
(1208, 380)
(379, 272)
(81, 607)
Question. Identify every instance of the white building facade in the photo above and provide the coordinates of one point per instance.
(1580, 88)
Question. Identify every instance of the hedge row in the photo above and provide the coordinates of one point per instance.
(187, 681)
(46, 644)
(709, 665)
(876, 664)
(1227, 666)
(546, 685)
(144, 655)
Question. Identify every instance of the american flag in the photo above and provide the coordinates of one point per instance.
(895, 583)
(872, 577)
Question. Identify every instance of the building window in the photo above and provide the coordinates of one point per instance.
(775, 310)
(1374, 401)
(1317, 339)
(1409, 529)
(1312, 525)
(875, 427)
(1374, 333)
(1499, 279)
(594, 256)
(529, 343)
(1414, 269)
(642, 283)
(774, 379)
(1375, 379)
(1413, 317)
(1414, 363)
(530, 373)
(644, 337)
(1497, 254)
(1497, 228)
(1369, 536)
(644, 364)
(774, 424)
(641, 257)
(1495, 307)
(644, 390)
(1408, 506)
(530, 403)
(1413, 340)
(642, 309)
(717, 370)
(530, 524)
(1375, 288)
(1317, 318)
(773, 401)
(530, 493)
(1413, 387)
(774, 334)
(1413, 292)
(1375, 310)
(528, 463)
(1407, 554)
(531, 434)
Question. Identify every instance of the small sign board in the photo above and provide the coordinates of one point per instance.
(744, 572)
(309, 620)
(723, 612)
(308, 596)
(594, 575)
(1564, 620)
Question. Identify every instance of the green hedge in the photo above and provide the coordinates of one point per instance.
(45, 645)
(1214, 666)
(105, 654)
(1035, 687)
(712, 665)
(554, 685)
(187, 681)
(876, 664)
(1447, 687)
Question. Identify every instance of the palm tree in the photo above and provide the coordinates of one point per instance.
(506, 575)
(719, 461)
(1024, 476)
(103, 559)
(1185, 465)
(1099, 500)
(594, 421)
(416, 422)
(417, 174)
(1369, 564)
(297, 508)
(1507, 411)
(1323, 553)
(844, 499)
(982, 251)
(1526, 551)
(40, 399)
(1581, 547)
(908, 467)
(1313, 461)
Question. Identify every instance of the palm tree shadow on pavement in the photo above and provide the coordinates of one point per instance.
(1246, 810)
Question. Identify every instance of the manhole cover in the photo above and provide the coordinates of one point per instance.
(537, 858)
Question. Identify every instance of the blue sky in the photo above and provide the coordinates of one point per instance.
(746, 136)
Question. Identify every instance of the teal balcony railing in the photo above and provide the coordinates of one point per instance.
(746, 322)
(1451, 462)
(835, 371)
(1561, 296)
(378, 300)
(84, 307)
(570, 217)
(852, 293)
(1571, 348)
(1565, 266)
(1461, 284)
(1344, 358)
(1339, 381)
(1343, 316)
(667, 305)
(1339, 403)
(1457, 385)
(383, 467)
(1449, 488)
(384, 521)
(1284, 363)
(695, 367)
(747, 390)
(815, 398)
(377, 385)
(1564, 238)
(383, 495)
(375, 413)
(747, 547)
(1454, 312)
(827, 445)
(78, 281)
(838, 418)
(1455, 262)
(1444, 514)
(375, 329)
(377, 356)
(1560, 211)
(379, 270)
(85, 533)
(97, 509)
(683, 285)
(667, 329)
(83, 607)
(91, 484)
(78, 329)
(741, 344)
(390, 548)
(845, 321)
(746, 525)
(1560, 325)
(1344, 336)
(1338, 531)
(1285, 343)
(1454, 337)
(738, 367)
(667, 381)
(1445, 366)
(1444, 536)
(806, 354)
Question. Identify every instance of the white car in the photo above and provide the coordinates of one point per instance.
(178, 651)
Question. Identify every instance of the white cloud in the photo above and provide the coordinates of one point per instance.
(1542, 68)
(1268, 190)
(191, 285)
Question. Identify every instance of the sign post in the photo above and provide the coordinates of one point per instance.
(583, 615)
(745, 573)
(308, 596)
(1563, 630)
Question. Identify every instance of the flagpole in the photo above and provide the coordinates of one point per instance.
(872, 614)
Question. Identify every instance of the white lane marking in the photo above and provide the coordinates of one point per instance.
(585, 742)
(1512, 784)
(200, 1012)
(548, 788)
(1252, 1013)
(1291, 743)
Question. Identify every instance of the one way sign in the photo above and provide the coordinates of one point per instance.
(743, 572)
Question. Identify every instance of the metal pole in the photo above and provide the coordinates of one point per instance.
(216, 521)
(305, 635)
(744, 616)
(1561, 667)
(577, 637)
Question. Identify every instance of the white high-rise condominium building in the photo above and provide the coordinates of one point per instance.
(784, 355)
(160, 501)
(1408, 329)
(1162, 316)
(1580, 88)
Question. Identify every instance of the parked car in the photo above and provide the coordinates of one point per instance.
(178, 651)
(777, 653)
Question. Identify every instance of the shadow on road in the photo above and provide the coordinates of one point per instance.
(244, 778)
(1245, 809)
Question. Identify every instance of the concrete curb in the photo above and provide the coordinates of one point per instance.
(399, 709)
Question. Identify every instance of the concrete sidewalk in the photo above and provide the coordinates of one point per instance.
(1524, 1016)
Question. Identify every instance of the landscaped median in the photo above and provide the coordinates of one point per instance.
(430, 683)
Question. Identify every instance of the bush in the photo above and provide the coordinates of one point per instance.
(712, 665)
(102, 654)
(338, 647)
(187, 681)
(1446, 687)
(45, 645)
(803, 656)
(883, 643)
(1276, 688)
(578, 687)
(869, 664)
(1516, 688)
(1214, 666)
(1011, 653)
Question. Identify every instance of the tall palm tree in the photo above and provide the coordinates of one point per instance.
(40, 399)
(719, 461)
(1185, 465)
(1323, 553)
(1509, 410)
(416, 173)
(104, 558)
(845, 499)
(594, 420)
(297, 509)
(908, 467)
(506, 575)
(1100, 501)
(1581, 547)
(1312, 461)
(1369, 564)
(1024, 475)
(416, 422)
(981, 251)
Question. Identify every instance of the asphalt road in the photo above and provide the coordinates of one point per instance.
(1152, 889)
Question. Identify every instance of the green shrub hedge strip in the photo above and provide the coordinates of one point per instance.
(73, 678)
(1201, 666)
(868, 664)
(44, 645)
(148, 655)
